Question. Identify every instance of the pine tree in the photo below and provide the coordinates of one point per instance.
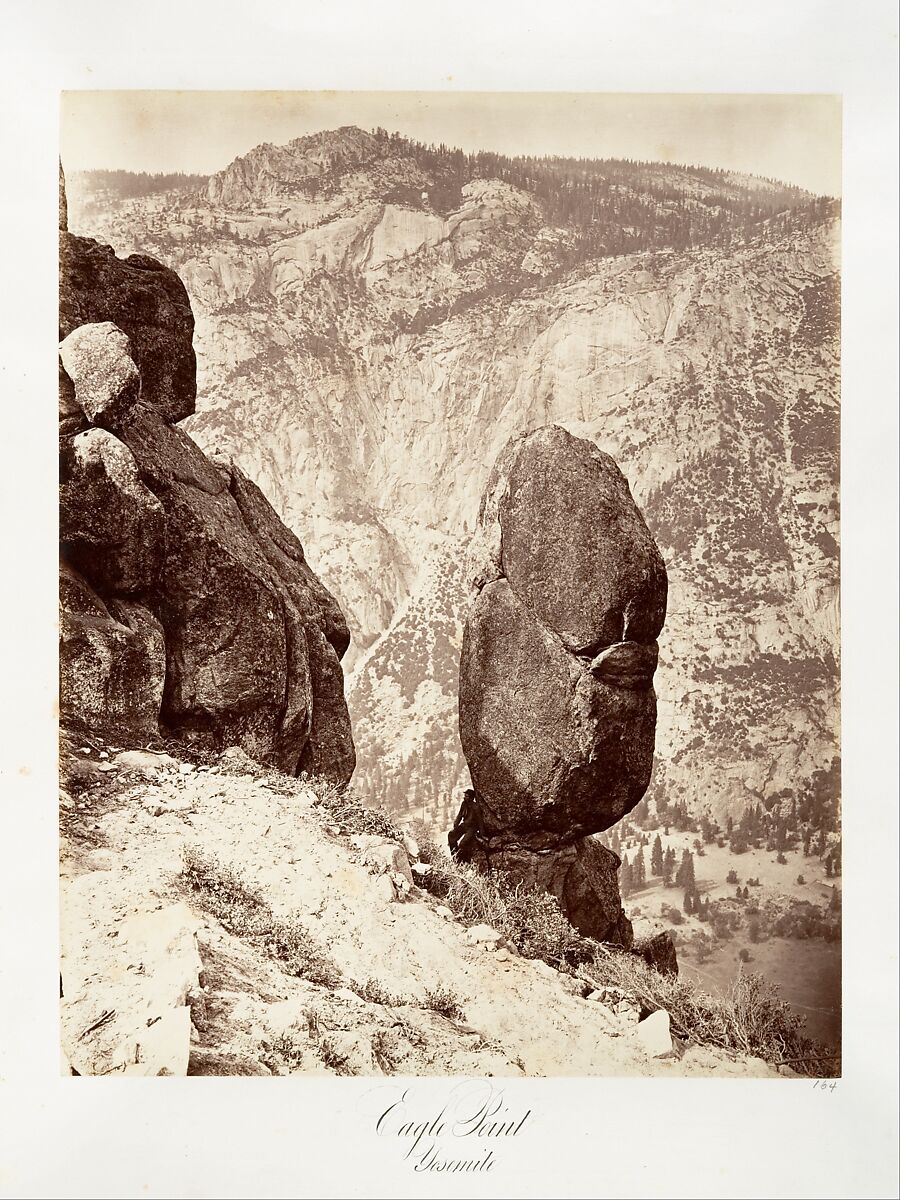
(668, 866)
(685, 876)
(656, 856)
(688, 903)
(625, 876)
(639, 869)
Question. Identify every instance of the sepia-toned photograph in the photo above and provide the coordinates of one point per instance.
(449, 628)
(449, 624)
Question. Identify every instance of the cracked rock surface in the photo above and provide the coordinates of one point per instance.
(557, 709)
(188, 607)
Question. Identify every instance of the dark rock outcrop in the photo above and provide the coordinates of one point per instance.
(188, 608)
(659, 952)
(112, 526)
(556, 704)
(146, 301)
(583, 876)
(112, 661)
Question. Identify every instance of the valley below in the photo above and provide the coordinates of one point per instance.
(805, 969)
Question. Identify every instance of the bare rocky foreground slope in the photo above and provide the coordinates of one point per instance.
(154, 983)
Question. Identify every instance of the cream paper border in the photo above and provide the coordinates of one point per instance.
(65, 1137)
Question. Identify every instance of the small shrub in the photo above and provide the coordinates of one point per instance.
(244, 912)
(300, 954)
(376, 993)
(351, 816)
(527, 917)
(289, 1051)
(533, 921)
(384, 1051)
(444, 1001)
(388, 1048)
(334, 1058)
(429, 851)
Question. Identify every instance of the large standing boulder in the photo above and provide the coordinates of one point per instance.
(556, 704)
(188, 607)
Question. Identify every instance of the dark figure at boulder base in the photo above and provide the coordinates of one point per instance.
(557, 709)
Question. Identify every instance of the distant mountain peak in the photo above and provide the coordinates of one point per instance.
(268, 171)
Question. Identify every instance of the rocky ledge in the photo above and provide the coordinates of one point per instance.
(188, 608)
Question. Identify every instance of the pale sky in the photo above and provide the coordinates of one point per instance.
(794, 138)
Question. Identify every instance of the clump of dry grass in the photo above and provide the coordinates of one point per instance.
(375, 993)
(289, 1051)
(528, 918)
(348, 813)
(335, 1058)
(444, 1001)
(749, 1019)
(394, 1048)
(244, 912)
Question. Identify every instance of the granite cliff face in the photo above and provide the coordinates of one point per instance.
(369, 339)
(188, 608)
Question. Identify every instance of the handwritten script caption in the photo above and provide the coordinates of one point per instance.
(466, 1133)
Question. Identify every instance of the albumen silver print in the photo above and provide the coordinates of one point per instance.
(449, 584)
